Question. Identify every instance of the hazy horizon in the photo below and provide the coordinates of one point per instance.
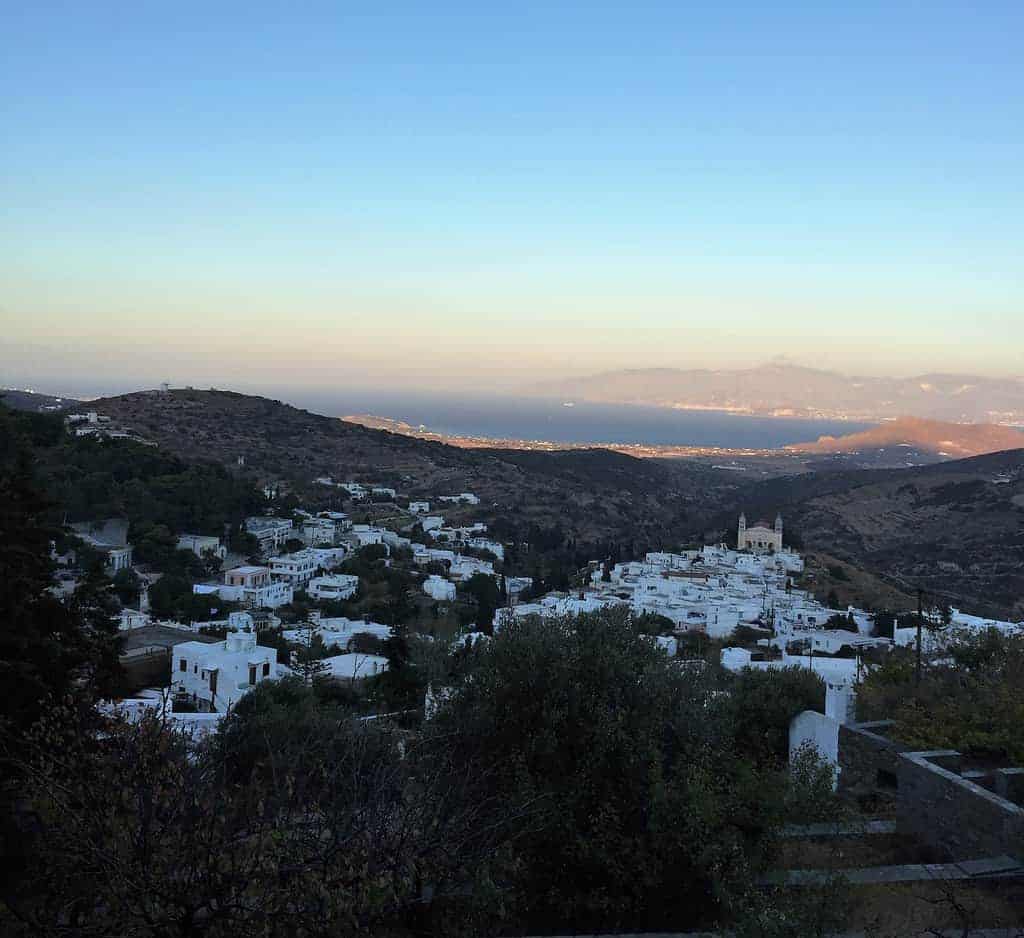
(89, 388)
(461, 198)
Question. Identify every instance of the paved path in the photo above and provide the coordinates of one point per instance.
(904, 873)
(844, 829)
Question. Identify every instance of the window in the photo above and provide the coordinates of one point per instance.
(266, 668)
(183, 665)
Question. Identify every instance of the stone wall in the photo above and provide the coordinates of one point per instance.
(955, 816)
(867, 759)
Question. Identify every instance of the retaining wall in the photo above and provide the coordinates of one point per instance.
(953, 814)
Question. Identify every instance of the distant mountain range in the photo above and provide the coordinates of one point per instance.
(785, 390)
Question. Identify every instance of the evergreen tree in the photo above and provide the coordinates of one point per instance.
(49, 650)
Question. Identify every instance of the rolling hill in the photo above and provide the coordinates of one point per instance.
(955, 529)
(597, 495)
(953, 440)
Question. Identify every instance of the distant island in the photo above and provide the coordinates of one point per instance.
(779, 389)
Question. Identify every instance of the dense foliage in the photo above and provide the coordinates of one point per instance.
(970, 698)
(576, 776)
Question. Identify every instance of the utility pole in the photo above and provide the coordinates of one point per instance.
(920, 622)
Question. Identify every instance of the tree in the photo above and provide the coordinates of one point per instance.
(651, 816)
(843, 622)
(483, 589)
(764, 704)
(291, 820)
(127, 585)
(309, 663)
(49, 650)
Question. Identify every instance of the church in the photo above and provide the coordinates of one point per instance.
(761, 536)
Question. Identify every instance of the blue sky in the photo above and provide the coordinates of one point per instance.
(445, 194)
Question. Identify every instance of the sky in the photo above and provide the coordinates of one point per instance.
(467, 195)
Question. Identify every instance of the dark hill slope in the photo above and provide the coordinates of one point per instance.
(596, 495)
(956, 528)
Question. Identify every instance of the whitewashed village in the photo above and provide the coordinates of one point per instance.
(741, 601)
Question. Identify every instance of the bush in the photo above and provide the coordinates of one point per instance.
(971, 696)
(646, 811)
(764, 704)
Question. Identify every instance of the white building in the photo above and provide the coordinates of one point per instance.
(463, 568)
(217, 675)
(202, 544)
(335, 586)
(109, 538)
(483, 543)
(356, 667)
(439, 589)
(419, 508)
(465, 498)
(327, 558)
(252, 586)
(431, 523)
(337, 631)
(295, 569)
(271, 533)
(515, 585)
(318, 531)
(366, 535)
(425, 555)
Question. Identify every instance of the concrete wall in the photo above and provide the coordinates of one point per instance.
(952, 814)
(867, 759)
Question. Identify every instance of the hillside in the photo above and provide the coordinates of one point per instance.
(930, 436)
(36, 402)
(782, 389)
(596, 495)
(955, 528)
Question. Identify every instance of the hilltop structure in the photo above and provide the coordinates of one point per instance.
(761, 537)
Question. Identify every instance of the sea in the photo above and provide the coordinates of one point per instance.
(564, 421)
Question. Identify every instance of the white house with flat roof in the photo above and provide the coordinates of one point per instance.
(334, 586)
(356, 667)
(296, 569)
(271, 533)
(464, 498)
(252, 586)
(216, 676)
(317, 531)
(337, 630)
(202, 544)
(438, 588)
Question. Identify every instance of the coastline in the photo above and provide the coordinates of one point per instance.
(640, 450)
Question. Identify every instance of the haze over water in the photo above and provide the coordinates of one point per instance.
(551, 420)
